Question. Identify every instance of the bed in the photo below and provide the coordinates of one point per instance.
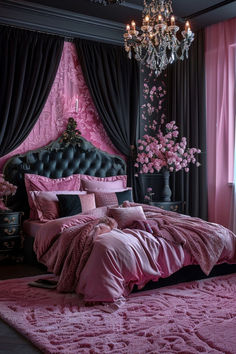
(82, 224)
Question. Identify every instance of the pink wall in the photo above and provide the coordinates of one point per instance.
(220, 77)
(68, 86)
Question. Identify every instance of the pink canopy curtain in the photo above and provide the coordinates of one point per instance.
(220, 78)
(69, 97)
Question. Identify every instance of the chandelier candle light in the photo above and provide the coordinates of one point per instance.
(156, 44)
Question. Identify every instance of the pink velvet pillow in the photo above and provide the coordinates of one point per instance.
(42, 183)
(113, 198)
(103, 184)
(126, 216)
(47, 204)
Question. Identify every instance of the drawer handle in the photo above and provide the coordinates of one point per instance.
(9, 220)
(9, 245)
(10, 232)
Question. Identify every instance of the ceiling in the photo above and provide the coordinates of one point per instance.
(201, 12)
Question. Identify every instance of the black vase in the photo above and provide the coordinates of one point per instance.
(165, 191)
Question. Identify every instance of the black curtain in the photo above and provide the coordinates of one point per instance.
(186, 106)
(28, 65)
(113, 81)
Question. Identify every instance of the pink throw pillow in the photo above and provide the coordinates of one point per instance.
(42, 183)
(47, 204)
(103, 184)
(126, 216)
(113, 198)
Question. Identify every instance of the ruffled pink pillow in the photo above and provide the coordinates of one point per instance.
(126, 216)
(42, 183)
(103, 184)
(47, 204)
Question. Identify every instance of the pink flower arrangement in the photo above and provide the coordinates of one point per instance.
(163, 151)
(6, 189)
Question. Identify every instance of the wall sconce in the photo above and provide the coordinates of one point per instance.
(76, 105)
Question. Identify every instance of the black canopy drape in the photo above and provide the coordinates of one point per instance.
(186, 106)
(28, 65)
(113, 81)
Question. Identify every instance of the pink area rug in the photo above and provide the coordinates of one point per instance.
(196, 317)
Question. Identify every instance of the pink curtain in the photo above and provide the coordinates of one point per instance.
(220, 77)
(69, 97)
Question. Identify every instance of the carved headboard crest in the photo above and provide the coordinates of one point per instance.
(71, 135)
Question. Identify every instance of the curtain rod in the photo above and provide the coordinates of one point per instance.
(67, 39)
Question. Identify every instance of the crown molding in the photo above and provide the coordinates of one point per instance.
(132, 6)
(68, 24)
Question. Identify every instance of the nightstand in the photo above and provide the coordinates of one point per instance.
(171, 206)
(10, 233)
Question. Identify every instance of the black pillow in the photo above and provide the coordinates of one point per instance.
(123, 196)
(69, 204)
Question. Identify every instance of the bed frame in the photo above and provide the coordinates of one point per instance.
(72, 154)
(69, 154)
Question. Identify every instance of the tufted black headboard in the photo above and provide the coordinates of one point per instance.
(69, 154)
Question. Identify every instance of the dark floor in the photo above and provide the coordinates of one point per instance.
(11, 342)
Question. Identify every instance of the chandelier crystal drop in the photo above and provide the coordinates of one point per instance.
(156, 44)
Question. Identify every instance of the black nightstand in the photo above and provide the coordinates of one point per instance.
(171, 206)
(10, 233)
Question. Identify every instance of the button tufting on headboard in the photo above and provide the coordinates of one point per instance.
(61, 158)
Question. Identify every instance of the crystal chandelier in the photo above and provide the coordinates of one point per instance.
(156, 44)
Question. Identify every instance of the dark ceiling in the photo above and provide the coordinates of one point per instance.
(201, 12)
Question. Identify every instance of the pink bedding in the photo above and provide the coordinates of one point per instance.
(104, 266)
(31, 227)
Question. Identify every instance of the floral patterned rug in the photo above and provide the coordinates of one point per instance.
(194, 317)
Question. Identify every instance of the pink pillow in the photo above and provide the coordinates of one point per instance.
(42, 183)
(103, 184)
(47, 205)
(113, 198)
(126, 216)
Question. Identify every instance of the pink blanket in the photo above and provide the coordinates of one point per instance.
(66, 255)
(204, 241)
(96, 259)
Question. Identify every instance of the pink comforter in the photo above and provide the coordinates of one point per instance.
(101, 262)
